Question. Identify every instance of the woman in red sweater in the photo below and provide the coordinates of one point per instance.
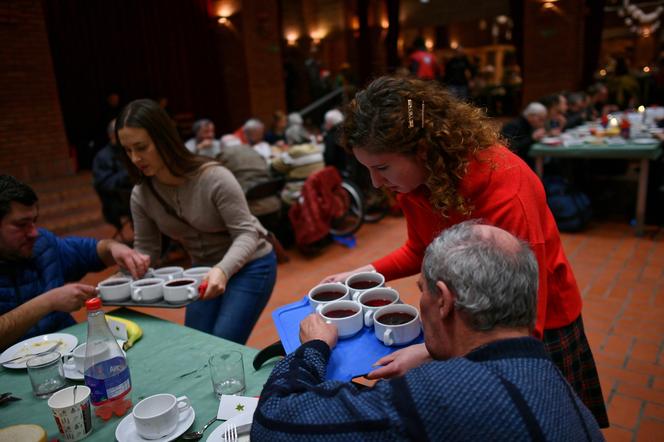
(444, 159)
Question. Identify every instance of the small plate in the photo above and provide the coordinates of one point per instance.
(242, 422)
(35, 345)
(126, 429)
(644, 141)
(552, 141)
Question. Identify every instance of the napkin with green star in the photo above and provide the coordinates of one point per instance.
(230, 406)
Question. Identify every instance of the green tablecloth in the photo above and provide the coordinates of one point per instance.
(628, 150)
(165, 352)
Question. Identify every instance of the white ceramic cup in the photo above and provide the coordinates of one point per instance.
(327, 289)
(157, 416)
(197, 273)
(147, 290)
(387, 295)
(71, 410)
(368, 280)
(115, 289)
(180, 290)
(168, 273)
(347, 326)
(397, 334)
(77, 358)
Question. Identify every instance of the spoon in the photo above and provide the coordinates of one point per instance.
(195, 435)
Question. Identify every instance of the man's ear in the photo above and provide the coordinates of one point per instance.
(445, 300)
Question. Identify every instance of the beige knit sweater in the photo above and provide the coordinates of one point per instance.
(220, 227)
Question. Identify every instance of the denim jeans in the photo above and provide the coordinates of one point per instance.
(233, 314)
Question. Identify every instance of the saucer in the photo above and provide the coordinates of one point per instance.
(126, 429)
(72, 373)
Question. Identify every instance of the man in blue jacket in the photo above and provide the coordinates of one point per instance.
(36, 267)
(489, 381)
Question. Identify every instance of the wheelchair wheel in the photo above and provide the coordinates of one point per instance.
(352, 220)
(376, 205)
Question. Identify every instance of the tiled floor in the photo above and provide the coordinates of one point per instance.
(622, 281)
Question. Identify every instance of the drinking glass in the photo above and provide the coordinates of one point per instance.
(227, 373)
(46, 374)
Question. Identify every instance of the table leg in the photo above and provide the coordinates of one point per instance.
(539, 166)
(641, 195)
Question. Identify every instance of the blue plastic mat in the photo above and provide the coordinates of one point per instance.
(352, 357)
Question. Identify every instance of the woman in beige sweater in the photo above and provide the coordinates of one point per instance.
(200, 204)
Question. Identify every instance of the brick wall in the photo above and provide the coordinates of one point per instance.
(33, 144)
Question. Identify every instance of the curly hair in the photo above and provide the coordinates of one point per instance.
(448, 130)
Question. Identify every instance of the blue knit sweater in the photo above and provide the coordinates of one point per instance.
(508, 390)
(55, 261)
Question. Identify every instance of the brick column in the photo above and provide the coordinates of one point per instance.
(553, 48)
(33, 144)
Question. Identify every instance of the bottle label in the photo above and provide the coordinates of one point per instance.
(108, 380)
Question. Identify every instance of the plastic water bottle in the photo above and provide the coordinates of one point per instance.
(105, 369)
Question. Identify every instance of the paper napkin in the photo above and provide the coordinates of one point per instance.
(231, 406)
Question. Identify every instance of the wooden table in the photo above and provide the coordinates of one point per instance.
(629, 151)
(164, 360)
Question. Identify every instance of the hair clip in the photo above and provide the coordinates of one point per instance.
(411, 122)
(422, 114)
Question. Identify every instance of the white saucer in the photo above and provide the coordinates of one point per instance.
(72, 373)
(126, 429)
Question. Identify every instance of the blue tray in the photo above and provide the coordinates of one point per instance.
(352, 357)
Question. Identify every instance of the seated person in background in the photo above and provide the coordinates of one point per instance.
(249, 168)
(254, 136)
(204, 142)
(489, 378)
(296, 164)
(576, 110)
(295, 132)
(36, 267)
(334, 154)
(526, 130)
(556, 107)
(111, 181)
(599, 101)
(277, 133)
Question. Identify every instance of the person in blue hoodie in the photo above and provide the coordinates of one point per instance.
(38, 269)
(488, 380)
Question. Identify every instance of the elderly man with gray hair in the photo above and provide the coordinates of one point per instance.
(526, 130)
(489, 379)
(204, 142)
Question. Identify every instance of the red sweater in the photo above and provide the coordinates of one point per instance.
(504, 192)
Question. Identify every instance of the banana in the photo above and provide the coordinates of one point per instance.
(134, 331)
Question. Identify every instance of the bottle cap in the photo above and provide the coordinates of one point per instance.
(93, 304)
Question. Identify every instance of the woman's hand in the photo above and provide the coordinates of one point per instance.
(216, 283)
(399, 362)
(341, 277)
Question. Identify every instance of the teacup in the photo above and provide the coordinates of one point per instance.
(373, 299)
(157, 416)
(115, 289)
(168, 273)
(397, 324)
(98, 352)
(359, 283)
(345, 315)
(325, 293)
(197, 273)
(147, 290)
(180, 290)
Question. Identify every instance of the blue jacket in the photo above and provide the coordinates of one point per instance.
(55, 261)
(508, 390)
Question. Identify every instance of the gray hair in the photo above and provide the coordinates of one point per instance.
(200, 124)
(333, 117)
(253, 123)
(493, 277)
(534, 108)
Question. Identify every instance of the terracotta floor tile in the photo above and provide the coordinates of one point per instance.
(643, 393)
(614, 434)
(653, 410)
(617, 344)
(645, 351)
(624, 411)
(627, 377)
(650, 430)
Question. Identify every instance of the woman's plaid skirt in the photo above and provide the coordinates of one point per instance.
(569, 350)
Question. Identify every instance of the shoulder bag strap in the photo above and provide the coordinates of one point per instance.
(167, 207)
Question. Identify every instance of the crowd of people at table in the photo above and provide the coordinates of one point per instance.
(505, 350)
